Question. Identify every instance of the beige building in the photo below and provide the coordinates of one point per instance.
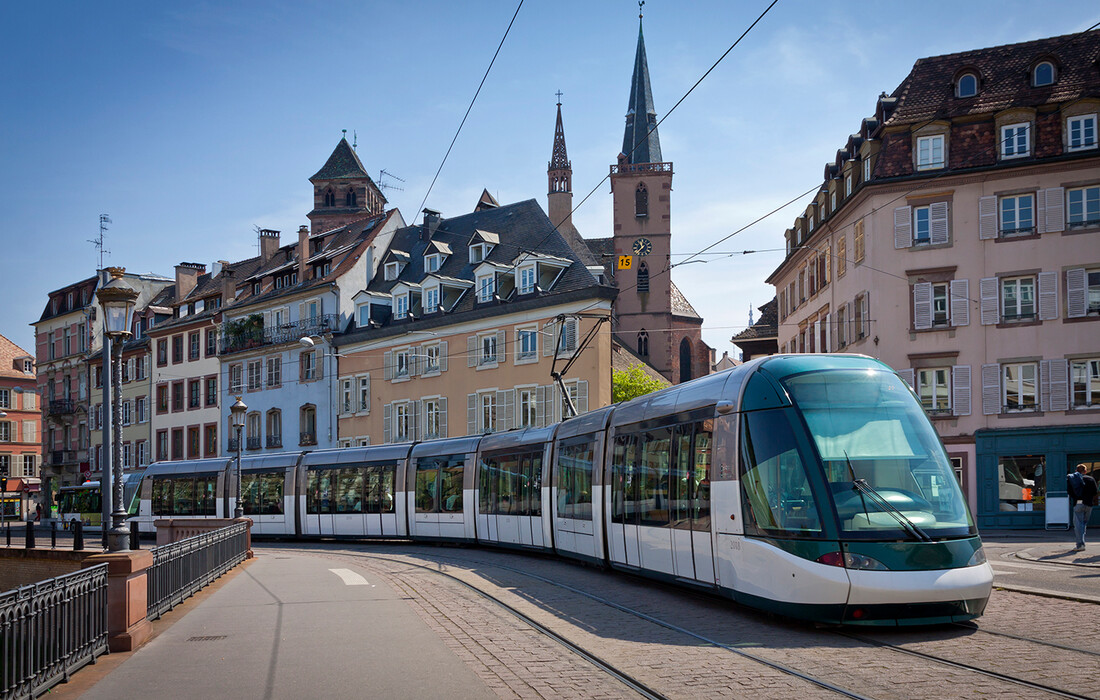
(957, 238)
(457, 334)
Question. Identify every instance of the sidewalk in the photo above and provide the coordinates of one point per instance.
(1055, 546)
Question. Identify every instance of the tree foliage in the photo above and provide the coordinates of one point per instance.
(632, 383)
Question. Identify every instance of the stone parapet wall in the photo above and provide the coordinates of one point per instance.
(22, 567)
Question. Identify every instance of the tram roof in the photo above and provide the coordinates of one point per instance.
(446, 446)
(190, 466)
(783, 366)
(279, 460)
(591, 422)
(514, 438)
(356, 455)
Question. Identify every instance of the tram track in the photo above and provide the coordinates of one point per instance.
(975, 628)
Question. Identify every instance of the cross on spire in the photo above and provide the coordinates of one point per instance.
(640, 4)
(559, 94)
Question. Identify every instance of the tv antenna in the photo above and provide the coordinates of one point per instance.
(354, 139)
(383, 185)
(104, 219)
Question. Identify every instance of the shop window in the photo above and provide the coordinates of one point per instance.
(1021, 483)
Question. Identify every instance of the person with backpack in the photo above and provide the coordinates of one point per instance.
(1082, 497)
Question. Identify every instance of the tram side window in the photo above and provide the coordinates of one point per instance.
(575, 463)
(654, 474)
(348, 491)
(262, 493)
(624, 486)
(690, 477)
(380, 482)
(319, 491)
(775, 491)
(511, 484)
(439, 484)
(184, 496)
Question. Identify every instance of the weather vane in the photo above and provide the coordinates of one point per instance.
(640, 3)
(559, 93)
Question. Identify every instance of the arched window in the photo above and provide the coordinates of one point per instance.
(274, 428)
(330, 198)
(967, 86)
(643, 343)
(685, 360)
(643, 278)
(1043, 74)
(350, 199)
(307, 425)
(641, 201)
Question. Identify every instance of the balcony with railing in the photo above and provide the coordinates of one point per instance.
(231, 445)
(307, 439)
(62, 457)
(61, 407)
(247, 333)
(253, 443)
(274, 440)
(641, 168)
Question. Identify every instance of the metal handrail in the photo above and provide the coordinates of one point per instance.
(50, 629)
(180, 569)
(276, 335)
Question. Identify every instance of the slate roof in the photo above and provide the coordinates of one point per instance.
(522, 226)
(1004, 76)
(681, 306)
(60, 294)
(344, 163)
(639, 143)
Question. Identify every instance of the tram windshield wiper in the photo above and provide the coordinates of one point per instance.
(887, 507)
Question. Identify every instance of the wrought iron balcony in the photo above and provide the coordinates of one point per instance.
(274, 440)
(308, 439)
(252, 443)
(245, 334)
(231, 445)
(641, 168)
(61, 407)
(60, 457)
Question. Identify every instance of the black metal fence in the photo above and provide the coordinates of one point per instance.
(50, 629)
(181, 569)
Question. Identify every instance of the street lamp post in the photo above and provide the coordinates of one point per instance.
(117, 298)
(238, 410)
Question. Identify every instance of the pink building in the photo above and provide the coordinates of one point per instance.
(957, 237)
(20, 427)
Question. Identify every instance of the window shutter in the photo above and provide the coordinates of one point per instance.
(540, 408)
(903, 227)
(387, 423)
(549, 337)
(388, 367)
(922, 305)
(938, 220)
(960, 302)
(502, 343)
(991, 389)
(960, 390)
(1052, 211)
(471, 414)
(414, 420)
(828, 342)
(506, 409)
(443, 417)
(1059, 385)
(301, 366)
(991, 303)
(582, 396)
(443, 356)
(907, 375)
(1076, 292)
(987, 217)
(866, 314)
(471, 352)
(303, 313)
(849, 331)
(319, 363)
(1048, 296)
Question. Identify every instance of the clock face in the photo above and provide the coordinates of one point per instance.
(642, 246)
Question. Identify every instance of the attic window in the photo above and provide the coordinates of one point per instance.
(478, 252)
(527, 279)
(255, 288)
(967, 86)
(432, 262)
(393, 269)
(1043, 74)
(485, 288)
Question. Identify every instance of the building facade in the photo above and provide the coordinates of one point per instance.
(461, 330)
(957, 238)
(20, 431)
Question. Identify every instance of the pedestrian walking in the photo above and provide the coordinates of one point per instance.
(1082, 497)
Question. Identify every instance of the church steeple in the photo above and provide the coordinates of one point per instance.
(343, 191)
(559, 175)
(640, 142)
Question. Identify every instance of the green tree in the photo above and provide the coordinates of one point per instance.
(632, 383)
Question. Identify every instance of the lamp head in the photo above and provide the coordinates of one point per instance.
(238, 410)
(306, 342)
(118, 299)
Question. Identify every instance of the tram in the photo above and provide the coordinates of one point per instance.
(84, 503)
(813, 486)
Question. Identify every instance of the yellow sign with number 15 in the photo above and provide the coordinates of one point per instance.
(625, 262)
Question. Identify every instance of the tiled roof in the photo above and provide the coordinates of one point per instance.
(680, 305)
(344, 163)
(622, 357)
(1004, 76)
(9, 352)
(766, 327)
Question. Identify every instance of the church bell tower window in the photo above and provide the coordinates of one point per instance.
(641, 201)
(330, 198)
(643, 278)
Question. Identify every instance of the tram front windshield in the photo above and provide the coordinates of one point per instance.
(867, 426)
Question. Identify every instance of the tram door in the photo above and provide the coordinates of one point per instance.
(689, 487)
(624, 506)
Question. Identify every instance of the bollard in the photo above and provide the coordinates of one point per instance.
(30, 535)
(7, 533)
(135, 538)
(53, 534)
(78, 535)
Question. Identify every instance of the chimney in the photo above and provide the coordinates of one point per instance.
(303, 252)
(269, 243)
(187, 276)
(431, 223)
(229, 284)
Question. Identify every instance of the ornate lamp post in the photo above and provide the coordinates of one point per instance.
(117, 298)
(238, 410)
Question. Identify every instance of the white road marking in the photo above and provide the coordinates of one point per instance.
(1018, 565)
(349, 577)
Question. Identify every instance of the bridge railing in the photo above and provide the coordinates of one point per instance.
(180, 569)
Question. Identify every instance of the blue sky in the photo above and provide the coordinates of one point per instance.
(189, 123)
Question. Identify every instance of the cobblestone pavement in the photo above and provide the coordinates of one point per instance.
(517, 662)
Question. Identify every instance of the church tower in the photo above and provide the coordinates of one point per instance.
(652, 316)
(559, 174)
(342, 191)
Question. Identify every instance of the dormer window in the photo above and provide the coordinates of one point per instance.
(527, 279)
(930, 152)
(432, 262)
(393, 269)
(967, 85)
(478, 252)
(486, 286)
(401, 306)
(1043, 74)
(1015, 140)
(431, 300)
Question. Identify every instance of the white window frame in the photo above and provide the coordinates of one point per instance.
(1019, 284)
(1086, 372)
(431, 359)
(526, 406)
(401, 305)
(1011, 204)
(488, 354)
(478, 252)
(431, 417)
(1089, 199)
(926, 210)
(310, 370)
(401, 364)
(255, 375)
(1082, 123)
(941, 318)
(401, 422)
(431, 300)
(527, 279)
(1015, 140)
(1035, 74)
(939, 394)
(362, 314)
(527, 345)
(487, 411)
(392, 271)
(363, 404)
(1024, 368)
(867, 168)
(927, 149)
(848, 185)
(432, 262)
(346, 404)
(485, 287)
(142, 407)
(958, 85)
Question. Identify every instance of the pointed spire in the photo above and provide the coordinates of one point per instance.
(639, 145)
(343, 163)
(559, 159)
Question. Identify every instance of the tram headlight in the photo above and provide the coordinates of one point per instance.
(977, 558)
(848, 560)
